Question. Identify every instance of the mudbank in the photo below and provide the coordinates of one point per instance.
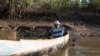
(37, 32)
(26, 32)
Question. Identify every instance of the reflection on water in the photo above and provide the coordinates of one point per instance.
(84, 47)
(83, 51)
(61, 52)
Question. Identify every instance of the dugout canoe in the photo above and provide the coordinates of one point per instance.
(32, 47)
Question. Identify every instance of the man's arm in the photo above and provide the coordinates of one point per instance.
(65, 31)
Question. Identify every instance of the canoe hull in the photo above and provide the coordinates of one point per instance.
(38, 47)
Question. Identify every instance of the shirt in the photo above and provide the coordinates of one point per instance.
(57, 32)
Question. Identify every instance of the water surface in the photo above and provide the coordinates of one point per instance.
(84, 47)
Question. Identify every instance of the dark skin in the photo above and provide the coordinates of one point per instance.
(56, 25)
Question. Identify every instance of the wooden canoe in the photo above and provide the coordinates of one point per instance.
(32, 47)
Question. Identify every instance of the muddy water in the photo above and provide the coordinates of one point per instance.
(83, 47)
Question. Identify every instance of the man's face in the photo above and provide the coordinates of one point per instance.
(57, 25)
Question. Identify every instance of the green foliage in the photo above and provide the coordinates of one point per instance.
(97, 4)
(52, 5)
(92, 6)
(46, 5)
(65, 5)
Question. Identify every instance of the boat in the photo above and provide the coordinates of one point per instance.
(26, 47)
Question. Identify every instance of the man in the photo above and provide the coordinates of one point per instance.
(57, 30)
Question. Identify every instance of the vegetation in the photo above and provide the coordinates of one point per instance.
(13, 8)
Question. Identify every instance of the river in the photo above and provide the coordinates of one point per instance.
(83, 47)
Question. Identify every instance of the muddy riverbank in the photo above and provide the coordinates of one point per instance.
(27, 29)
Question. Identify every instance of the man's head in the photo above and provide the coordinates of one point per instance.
(57, 24)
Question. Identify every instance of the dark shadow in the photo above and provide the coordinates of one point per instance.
(39, 32)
